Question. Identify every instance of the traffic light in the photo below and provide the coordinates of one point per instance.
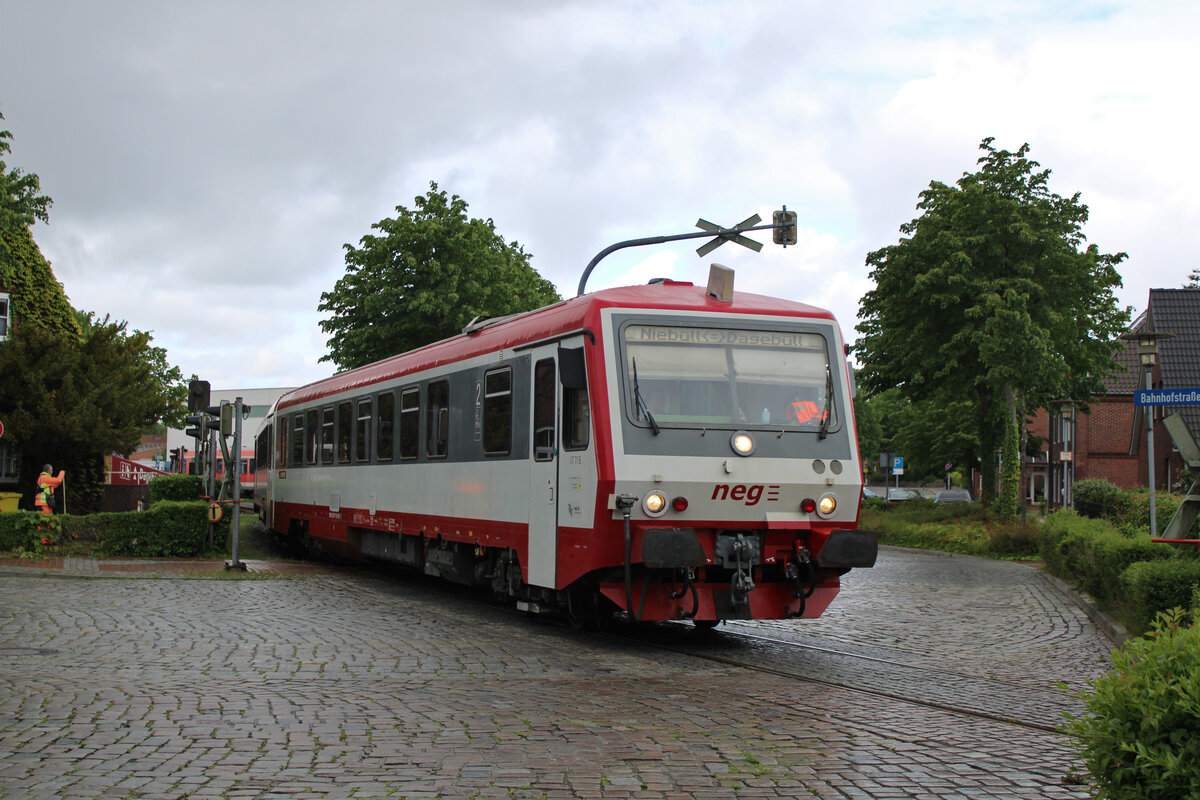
(222, 418)
(197, 420)
(785, 231)
(197, 395)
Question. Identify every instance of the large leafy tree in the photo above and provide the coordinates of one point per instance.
(71, 398)
(21, 203)
(992, 298)
(72, 388)
(426, 274)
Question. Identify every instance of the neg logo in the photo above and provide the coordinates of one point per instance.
(749, 494)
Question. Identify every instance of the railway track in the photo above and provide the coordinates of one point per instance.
(1038, 708)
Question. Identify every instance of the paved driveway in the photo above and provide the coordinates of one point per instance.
(341, 685)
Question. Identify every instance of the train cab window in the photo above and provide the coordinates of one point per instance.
(312, 433)
(327, 435)
(497, 412)
(410, 423)
(543, 410)
(362, 432)
(437, 419)
(344, 426)
(385, 432)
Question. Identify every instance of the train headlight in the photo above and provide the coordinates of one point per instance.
(826, 505)
(742, 443)
(654, 503)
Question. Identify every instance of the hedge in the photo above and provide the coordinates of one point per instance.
(170, 529)
(1155, 586)
(1140, 737)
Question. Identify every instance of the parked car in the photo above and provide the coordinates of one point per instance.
(900, 495)
(869, 493)
(953, 496)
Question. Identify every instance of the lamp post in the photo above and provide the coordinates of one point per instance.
(1148, 339)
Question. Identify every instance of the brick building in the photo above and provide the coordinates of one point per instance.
(1110, 440)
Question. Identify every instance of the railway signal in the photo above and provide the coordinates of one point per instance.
(783, 223)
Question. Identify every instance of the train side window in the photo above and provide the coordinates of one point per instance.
(410, 423)
(312, 432)
(387, 420)
(497, 412)
(362, 432)
(437, 419)
(576, 411)
(281, 451)
(576, 419)
(543, 410)
(327, 435)
(344, 426)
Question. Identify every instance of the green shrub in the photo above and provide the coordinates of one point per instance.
(22, 531)
(176, 487)
(1151, 587)
(170, 529)
(1140, 737)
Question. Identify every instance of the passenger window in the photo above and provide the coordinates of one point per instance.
(282, 446)
(497, 412)
(327, 435)
(410, 423)
(543, 410)
(387, 418)
(313, 433)
(344, 424)
(437, 420)
(362, 433)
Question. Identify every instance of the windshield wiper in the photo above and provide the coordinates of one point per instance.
(642, 408)
(828, 403)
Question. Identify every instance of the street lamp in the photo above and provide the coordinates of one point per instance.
(1148, 339)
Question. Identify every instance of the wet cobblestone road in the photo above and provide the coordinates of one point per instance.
(342, 685)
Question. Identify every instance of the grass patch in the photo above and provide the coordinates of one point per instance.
(966, 528)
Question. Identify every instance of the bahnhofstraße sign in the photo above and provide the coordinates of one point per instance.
(1167, 397)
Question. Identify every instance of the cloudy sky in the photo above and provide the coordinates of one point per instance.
(207, 161)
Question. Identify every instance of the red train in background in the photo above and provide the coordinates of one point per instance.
(660, 450)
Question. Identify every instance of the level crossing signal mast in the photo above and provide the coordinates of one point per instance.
(782, 227)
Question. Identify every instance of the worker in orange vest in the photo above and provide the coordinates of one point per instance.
(47, 483)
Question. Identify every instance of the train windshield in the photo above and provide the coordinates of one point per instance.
(689, 377)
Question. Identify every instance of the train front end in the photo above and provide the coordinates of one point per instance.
(736, 479)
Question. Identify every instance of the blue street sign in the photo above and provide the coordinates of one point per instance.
(898, 464)
(1167, 397)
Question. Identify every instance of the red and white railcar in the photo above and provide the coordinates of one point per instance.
(655, 450)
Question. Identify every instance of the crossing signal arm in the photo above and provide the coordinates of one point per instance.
(783, 227)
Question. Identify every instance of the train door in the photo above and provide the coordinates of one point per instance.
(543, 472)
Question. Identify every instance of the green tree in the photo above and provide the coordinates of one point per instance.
(72, 398)
(992, 298)
(427, 274)
(20, 202)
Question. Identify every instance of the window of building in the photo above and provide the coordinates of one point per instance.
(5, 318)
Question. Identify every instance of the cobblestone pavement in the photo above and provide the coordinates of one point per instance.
(344, 685)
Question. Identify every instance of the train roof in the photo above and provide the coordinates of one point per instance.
(547, 322)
